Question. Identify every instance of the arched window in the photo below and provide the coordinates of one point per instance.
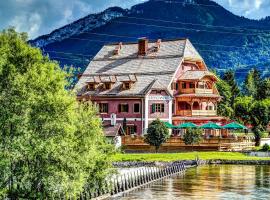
(196, 106)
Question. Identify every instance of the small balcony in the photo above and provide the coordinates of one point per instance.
(203, 91)
(194, 109)
(200, 87)
(204, 113)
(195, 113)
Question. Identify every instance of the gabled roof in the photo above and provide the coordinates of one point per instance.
(196, 75)
(191, 53)
(112, 131)
(158, 65)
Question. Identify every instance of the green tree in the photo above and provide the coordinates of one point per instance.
(260, 117)
(254, 85)
(250, 88)
(157, 134)
(192, 136)
(49, 144)
(224, 107)
(229, 77)
(242, 108)
(264, 89)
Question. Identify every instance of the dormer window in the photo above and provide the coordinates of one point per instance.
(127, 86)
(107, 86)
(91, 86)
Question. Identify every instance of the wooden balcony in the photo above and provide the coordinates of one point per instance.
(204, 112)
(203, 91)
(190, 113)
(196, 91)
(187, 113)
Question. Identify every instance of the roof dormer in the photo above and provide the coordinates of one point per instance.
(107, 81)
(127, 81)
(92, 83)
(91, 86)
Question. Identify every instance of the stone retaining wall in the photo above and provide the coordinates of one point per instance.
(188, 163)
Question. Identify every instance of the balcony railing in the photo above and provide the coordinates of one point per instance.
(196, 91)
(203, 91)
(204, 112)
(190, 113)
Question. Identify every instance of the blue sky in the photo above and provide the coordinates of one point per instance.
(38, 17)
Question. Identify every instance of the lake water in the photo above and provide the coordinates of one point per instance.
(209, 182)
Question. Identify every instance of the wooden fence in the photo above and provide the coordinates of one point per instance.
(176, 143)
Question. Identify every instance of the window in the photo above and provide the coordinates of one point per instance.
(158, 107)
(182, 105)
(131, 129)
(191, 85)
(136, 108)
(174, 86)
(201, 85)
(126, 85)
(91, 86)
(123, 108)
(184, 85)
(103, 107)
(107, 86)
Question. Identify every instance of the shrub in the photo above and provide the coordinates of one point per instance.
(192, 136)
(157, 134)
(266, 147)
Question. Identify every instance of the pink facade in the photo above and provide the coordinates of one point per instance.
(133, 117)
(148, 80)
(161, 115)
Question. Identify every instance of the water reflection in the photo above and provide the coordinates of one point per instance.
(210, 182)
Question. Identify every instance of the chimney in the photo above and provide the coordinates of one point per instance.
(157, 46)
(117, 49)
(142, 46)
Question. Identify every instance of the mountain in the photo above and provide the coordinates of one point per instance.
(226, 41)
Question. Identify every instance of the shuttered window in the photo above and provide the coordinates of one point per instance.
(158, 108)
(123, 108)
(103, 107)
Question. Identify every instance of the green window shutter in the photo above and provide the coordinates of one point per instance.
(153, 108)
(127, 107)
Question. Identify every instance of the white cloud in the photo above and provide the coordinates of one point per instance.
(253, 9)
(38, 17)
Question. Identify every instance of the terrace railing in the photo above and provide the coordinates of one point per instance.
(128, 181)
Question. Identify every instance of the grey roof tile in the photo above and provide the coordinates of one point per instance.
(142, 70)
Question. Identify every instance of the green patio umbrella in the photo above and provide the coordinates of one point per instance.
(168, 125)
(211, 125)
(187, 125)
(234, 125)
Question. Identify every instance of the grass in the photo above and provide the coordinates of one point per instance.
(166, 157)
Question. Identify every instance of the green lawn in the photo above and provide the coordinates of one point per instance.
(184, 156)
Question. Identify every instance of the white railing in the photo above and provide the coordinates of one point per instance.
(203, 91)
(204, 112)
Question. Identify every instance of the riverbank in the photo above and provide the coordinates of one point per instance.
(171, 157)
